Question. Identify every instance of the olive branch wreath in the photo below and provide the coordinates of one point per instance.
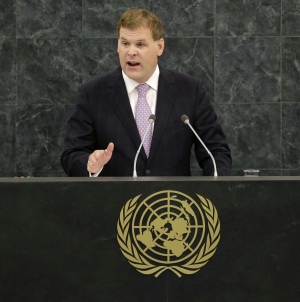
(192, 266)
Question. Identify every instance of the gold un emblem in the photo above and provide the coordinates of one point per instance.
(168, 230)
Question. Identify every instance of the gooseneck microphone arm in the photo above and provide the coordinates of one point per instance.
(151, 120)
(186, 120)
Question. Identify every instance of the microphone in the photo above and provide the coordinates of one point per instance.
(186, 120)
(151, 120)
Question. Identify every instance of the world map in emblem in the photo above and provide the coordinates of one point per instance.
(168, 230)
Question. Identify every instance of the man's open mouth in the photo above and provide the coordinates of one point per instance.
(133, 64)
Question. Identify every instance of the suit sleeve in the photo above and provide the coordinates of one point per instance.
(210, 131)
(80, 137)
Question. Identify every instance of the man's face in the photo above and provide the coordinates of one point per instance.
(138, 53)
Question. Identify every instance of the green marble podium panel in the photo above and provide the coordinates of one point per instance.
(58, 240)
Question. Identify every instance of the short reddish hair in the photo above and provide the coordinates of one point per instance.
(137, 17)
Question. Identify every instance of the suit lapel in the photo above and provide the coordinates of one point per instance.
(165, 101)
(121, 104)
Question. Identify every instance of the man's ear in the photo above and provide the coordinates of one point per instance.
(118, 46)
(160, 46)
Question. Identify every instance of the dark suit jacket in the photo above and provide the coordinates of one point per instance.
(103, 114)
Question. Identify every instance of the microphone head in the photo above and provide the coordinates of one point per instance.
(185, 119)
(152, 118)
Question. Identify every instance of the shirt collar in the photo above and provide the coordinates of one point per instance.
(152, 81)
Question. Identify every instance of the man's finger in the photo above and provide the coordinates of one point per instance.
(110, 148)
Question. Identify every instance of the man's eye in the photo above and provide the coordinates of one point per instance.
(141, 44)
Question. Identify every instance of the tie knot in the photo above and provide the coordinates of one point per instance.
(142, 89)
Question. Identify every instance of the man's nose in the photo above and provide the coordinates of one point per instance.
(132, 50)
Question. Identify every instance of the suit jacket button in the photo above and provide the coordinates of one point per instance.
(147, 172)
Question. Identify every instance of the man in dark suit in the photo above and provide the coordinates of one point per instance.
(102, 134)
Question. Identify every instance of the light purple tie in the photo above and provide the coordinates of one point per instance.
(142, 114)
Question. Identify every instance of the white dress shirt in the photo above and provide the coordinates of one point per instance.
(151, 94)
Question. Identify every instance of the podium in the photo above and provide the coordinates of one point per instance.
(59, 240)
